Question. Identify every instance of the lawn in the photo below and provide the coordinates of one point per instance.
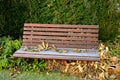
(54, 75)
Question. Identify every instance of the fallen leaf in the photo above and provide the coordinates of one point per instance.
(83, 50)
(72, 63)
(76, 50)
(114, 60)
(43, 44)
(112, 77)
(63, 51)
(40, 47)
(101, 76)
(117, 70)
(54, 48)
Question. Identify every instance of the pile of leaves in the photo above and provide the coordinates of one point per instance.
(107, 69)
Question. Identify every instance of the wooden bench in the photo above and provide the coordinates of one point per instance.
(63, 37)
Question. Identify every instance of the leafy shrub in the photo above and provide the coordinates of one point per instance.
(114, 46)
(7, 48)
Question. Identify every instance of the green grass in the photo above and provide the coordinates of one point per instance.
(6, 75)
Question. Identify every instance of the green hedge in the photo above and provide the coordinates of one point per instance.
(14, 13)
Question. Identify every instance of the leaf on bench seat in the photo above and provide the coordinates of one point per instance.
(76, 50)
(54, 48)
(43, 46)
(63, 51)
(83, 50)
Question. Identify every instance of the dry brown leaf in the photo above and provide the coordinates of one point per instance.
(76, 50)
(66, 68)
(63, 51)
(114, 60)
(102, 55)
(72, 63)
(83, 50)
(47, 46)
(80, 68)
(54, 48)
(101, 47)
(117, 70)
(43, 44)
(101, 76)
(110, 70)
(40, 47)
(112, 77)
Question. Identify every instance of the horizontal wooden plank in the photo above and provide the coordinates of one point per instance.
(61, 34)
(60, 42)
(60, 38)
(61, 30)
(57, 57)
(61, 25)
(65, 46)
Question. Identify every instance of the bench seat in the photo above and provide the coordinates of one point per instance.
(89, 55)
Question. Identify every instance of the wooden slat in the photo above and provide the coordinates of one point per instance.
(73, 44)
(61, 30)
(61, 42)
(57, 57)
(65, 45)
(60, 38)
(61, 25)
(60, 34)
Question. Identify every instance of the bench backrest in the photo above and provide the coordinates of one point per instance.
(62, 36)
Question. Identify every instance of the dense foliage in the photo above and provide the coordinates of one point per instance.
(7, 61)
(105, 13)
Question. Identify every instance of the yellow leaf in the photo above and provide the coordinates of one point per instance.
(102, 55)
(54, 48)
(80, 68)
(43, 44)
(83, 50)
(76, 50)
(66, 68)
(40, 47)
(114, 60)
(101, 47)
(47, 46)
(112, 77)
(63, 51)
(117, 70)
(101, 76)
(72, 63)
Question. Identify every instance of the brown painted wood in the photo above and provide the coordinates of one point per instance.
(89, 55)
(61, 25)
(57, 57)
(61, 30)
(66, 46)
(62, 36)
(61, 42)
